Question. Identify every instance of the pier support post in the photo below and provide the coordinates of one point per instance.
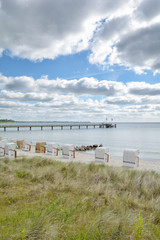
(87, 126)
(17, 128)
(94, 126)
(52, 128)
(79, 126)
(4, 129)
(61, 127)
(41, 128)
(30, 128)
(70, 127)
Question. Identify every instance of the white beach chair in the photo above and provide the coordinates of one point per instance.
(68, 151)
(13, 141)
(26, 146)
(32, 147)
(10, 150)
(52, 149)
(131, 158)
(2, 148)
(101, 154)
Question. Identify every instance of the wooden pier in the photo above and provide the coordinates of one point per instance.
(61, 126)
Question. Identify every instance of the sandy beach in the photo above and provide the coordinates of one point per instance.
(89, 158)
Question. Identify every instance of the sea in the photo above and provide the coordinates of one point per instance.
(142, 136)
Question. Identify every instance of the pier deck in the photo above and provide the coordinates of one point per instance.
(61, 126)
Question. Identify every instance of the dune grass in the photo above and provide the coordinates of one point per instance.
(45, 199)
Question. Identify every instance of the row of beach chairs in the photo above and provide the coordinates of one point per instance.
(8, 150)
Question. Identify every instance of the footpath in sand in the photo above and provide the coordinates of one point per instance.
(84, 157)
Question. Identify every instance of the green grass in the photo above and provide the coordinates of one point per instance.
(45, 199)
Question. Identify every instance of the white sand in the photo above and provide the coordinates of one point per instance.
(89, 158)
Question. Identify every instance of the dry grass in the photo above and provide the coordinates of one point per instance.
(45, 199)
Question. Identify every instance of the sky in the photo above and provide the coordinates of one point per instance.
(88, 60)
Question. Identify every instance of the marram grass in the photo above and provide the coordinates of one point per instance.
(43, 199)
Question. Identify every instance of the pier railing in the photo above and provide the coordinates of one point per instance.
(61, 126)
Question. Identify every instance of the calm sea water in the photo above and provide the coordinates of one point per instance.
(142, 136)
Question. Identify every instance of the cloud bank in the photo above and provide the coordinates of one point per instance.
(80, 99)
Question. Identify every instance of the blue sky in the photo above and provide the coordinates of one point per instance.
(69, 67)
(80, 61)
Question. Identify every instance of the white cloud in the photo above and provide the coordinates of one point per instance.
(143, 88)
(84, 86)
(140, 48)
(21, 96)
(131, 39)
(148, 10)
(107, 36)
(45, 29)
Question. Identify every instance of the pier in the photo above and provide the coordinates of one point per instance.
(41, 126)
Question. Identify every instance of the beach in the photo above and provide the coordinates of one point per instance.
(87, 158)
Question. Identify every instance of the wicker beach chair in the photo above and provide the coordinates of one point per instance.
(131, 158)
(20, 144)
(52, 149)
(68, 151)
(40, 147)
(101, 154)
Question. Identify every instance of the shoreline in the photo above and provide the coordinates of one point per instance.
(87, 158)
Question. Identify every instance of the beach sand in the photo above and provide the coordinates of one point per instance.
(84, 157)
